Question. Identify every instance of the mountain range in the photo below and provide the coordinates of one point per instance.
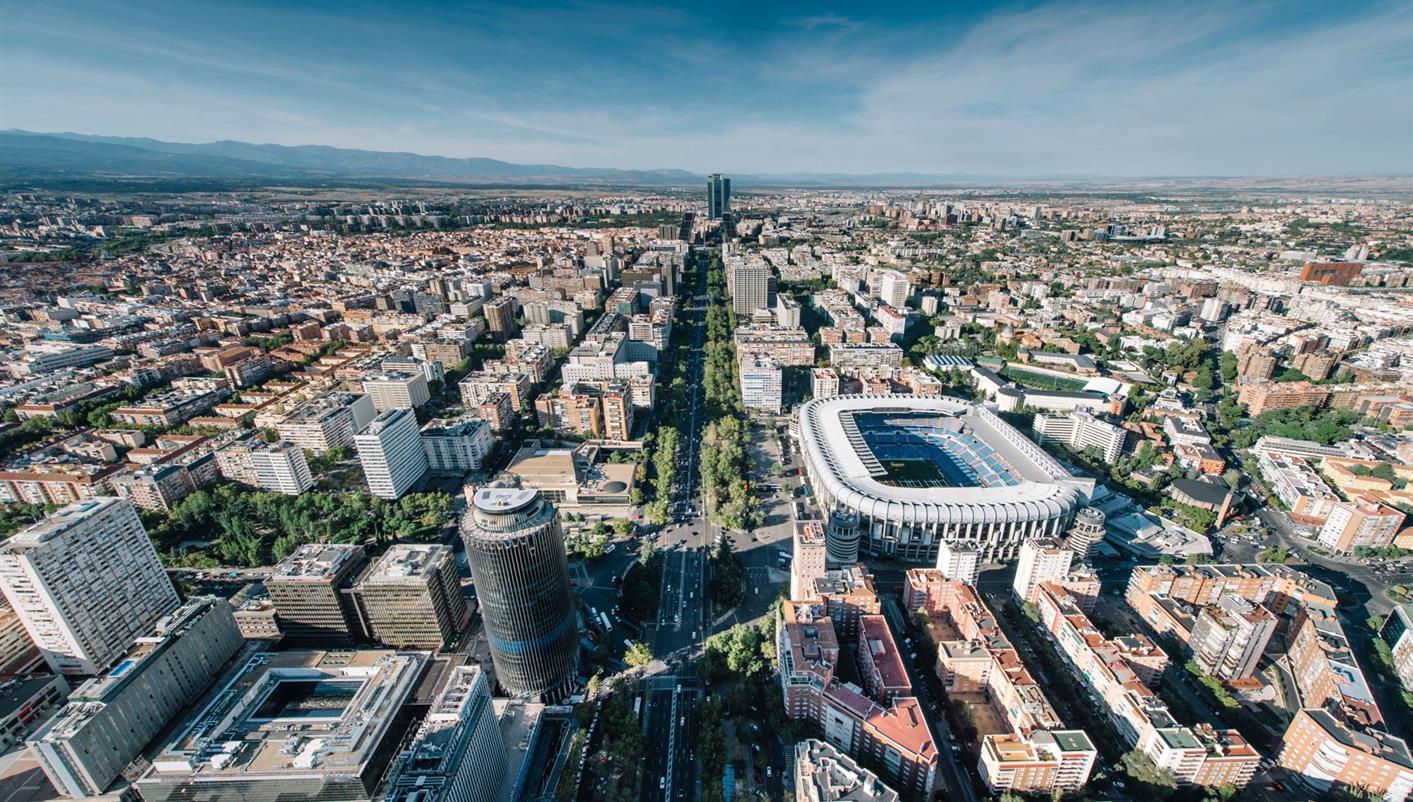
(28, 157)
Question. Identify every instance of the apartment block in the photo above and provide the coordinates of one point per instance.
(457, 446)
(1360, 523)
(85, 581)
(391, 452)
(329, 421)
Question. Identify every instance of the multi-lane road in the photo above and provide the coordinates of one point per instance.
(683, 622)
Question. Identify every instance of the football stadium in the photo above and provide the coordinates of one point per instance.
(918, 471)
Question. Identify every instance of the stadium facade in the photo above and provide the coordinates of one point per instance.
(919, 471)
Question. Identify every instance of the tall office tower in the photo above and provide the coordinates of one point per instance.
(718, 196)
(516, 549)
(1230, 637)
(411, 598)
(810, 560)
(750, 285)
(959, 560)
(500, 318)
(109, 719)
(397, 390)
(1086, 531)
(457, 754)
(390, 450)
(86, 581)
(841, 535)
(310, 592)
(1041, 560)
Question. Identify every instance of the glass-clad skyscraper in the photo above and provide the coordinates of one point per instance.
(515, 545)
(718, 196)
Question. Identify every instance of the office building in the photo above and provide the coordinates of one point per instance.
(411, 598)
(1230, 637)
(276, 467)
(401, 390)
(824, 774)
(109, 719)
(457, 446)
(718, 196)
(762, 385)
(1040, 560)
(327, 422)
(458, 754)
(515, 546)
(1360, 523)
(748, 284)
(390, 450)
(85, 581)
(1079, 431)
(309, 589)
(26, 703)
(293, 726)
(960, 561)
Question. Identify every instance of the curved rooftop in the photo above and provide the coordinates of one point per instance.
(1032, 485)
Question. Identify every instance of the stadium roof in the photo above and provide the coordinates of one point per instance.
(1044, 489)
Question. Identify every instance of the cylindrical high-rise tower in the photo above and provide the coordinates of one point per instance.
(1087, 530)
(515, 546)
(841, 537)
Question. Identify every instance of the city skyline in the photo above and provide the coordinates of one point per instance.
(1049, 89)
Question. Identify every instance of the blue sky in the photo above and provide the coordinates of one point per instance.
(1021, 89)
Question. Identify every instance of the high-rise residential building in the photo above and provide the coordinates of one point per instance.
(1397, 632)
(809, 561)
(515, 545)
(749, 285)
(959, 560)
(400, 390)
(390, 450)
(109, 719)
(86, 581)
(1078, 431)
(1254, 362)
(718, 196)
(500, 318)
(1328, 755)
(458, 754)
(1040, 560)
(457, 446)
(1230, 637)
(1087, 530)
(310, 591)
(762, 385)
(893, 288)
(787, 312)
(327, 422)
(277, 467)
(411, 598)
(824, 383)
(1360, 523)
(825, 774)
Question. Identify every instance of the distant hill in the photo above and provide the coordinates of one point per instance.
(26, 153)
